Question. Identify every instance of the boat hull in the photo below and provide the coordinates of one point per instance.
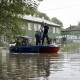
(34, 49)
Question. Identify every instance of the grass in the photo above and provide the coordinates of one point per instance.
(70, 47)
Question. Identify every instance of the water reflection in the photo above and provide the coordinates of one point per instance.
(31, 65)
(25, 66)
(39, 66)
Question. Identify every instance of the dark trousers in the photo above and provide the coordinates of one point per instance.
(45, 36)
(38, 42)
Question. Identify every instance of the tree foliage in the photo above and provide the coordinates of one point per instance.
(40, 0)
(11, 12)
(42, 15)
(57, 21)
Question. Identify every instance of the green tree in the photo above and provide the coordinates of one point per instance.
(11, 12)
(57, 21)
(40, 14)
(40, 0)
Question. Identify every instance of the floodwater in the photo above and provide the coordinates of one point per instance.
(61, 66)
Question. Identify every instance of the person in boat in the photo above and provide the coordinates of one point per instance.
(23, 42)
(38, 37)
(17, 41)
(45, 33)
(54, 40)
(50, 41)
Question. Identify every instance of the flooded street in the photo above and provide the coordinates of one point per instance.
(39, 66)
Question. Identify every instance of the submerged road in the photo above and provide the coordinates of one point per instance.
(61, 66)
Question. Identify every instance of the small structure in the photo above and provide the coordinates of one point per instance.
(72, 33)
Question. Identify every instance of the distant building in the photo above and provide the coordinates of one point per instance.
(72, 32)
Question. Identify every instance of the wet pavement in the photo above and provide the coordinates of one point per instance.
(58, 66)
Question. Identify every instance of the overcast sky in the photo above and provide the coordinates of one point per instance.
(67, 11)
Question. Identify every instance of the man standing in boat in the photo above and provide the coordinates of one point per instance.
(45, 33)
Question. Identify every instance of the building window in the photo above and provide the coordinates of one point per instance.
(3, 38)
(58, 30)
(29, 26)
(39, 26)
(35, 27)
(54, 30)
(23, 27)
(34, 39)
(30, 40)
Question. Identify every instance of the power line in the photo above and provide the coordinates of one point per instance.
(63, 7)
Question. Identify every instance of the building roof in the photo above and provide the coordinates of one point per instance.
(72, 28)
(40, 20)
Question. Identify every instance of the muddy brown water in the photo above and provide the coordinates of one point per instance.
(58, 66)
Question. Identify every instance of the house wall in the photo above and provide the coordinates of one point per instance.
(75, 33)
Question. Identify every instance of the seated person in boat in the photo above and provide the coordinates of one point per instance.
(18, 42)
(50, 41)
